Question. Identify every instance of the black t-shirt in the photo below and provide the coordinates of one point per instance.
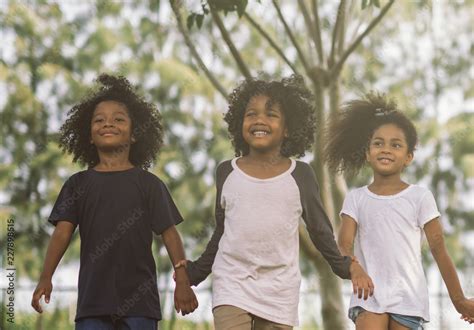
(116, 213)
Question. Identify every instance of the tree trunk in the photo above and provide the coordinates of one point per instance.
(329, 284)
(332, 306)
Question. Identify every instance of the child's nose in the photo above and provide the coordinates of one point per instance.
(108, 122)
(260, 118)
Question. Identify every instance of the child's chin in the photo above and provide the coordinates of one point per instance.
(117, 147)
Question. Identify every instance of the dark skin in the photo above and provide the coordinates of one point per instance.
(388, 155)
(111, 134)
(264, 129)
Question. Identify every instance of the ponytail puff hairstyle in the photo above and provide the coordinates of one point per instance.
(296, 103)
(349, 131)
(147, 130)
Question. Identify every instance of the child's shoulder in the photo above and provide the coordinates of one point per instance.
(78, 177)
(357, 191)
(418, 192)
(303, 165)
(418, 189)
(224, 167)
(149, 177)
(304, 170)
(225, 163)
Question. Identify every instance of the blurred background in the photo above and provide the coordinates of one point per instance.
(186, 56)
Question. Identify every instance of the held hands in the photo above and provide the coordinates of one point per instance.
(185, 300)
(466, 308)
(361, 282)
(44, 287)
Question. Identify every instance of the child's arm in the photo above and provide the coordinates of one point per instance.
(57, 246)
(361, 282)
(321, 233)
(434, 234)
(184, 298)
(201, 268)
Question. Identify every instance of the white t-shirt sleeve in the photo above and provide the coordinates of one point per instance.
(428, 210)
(349, 206)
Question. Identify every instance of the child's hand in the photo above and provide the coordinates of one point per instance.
(44, 287)
(361, 282)
(466, 308)
(184, 298)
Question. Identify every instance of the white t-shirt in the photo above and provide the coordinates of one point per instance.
(388, 246)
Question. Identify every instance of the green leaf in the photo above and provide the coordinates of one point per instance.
(376, 3)
(364, 4)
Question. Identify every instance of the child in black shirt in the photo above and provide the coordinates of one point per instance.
(117, 205)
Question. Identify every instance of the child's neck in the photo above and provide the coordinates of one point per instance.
(265, 158)
(264, 165)
(387, 185)
(113, 162)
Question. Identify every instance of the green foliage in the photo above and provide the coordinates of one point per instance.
(54, 50)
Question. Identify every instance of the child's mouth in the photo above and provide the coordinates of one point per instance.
(259, 133)
(385, 160)
(108, 134)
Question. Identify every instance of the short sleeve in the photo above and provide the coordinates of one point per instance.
(163, 210)
(428, 210)
(349, 207)
(65, 207)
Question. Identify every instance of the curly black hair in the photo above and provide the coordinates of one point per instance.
(147, 130)
(349, 131)
(296, 102)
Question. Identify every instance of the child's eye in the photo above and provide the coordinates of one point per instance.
(250, 114)
(377, 143)
(119, 119)
(397, 145)
(98, 120)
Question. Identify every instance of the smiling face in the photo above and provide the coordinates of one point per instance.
(264, 126)
(111, 126)
(388, 150)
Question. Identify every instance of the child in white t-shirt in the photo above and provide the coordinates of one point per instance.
(386, 219)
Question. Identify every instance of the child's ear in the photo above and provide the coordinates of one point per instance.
(409, 159)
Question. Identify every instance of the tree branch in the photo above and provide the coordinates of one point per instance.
(272, 42)
(233, 50)
(335, 31)
(317, 32)
(175, 5)
(342, 32)
(337, 68)
(308, 22)
(292, 37)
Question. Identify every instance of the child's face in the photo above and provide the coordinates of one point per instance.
(388, 150)
(111, 126)
(264, 127)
